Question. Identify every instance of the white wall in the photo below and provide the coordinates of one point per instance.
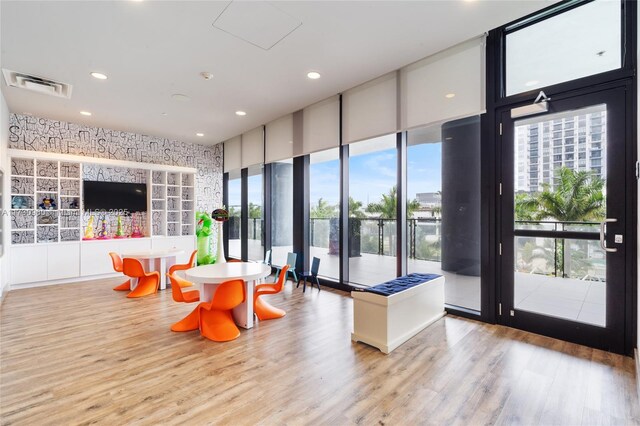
(4, 208)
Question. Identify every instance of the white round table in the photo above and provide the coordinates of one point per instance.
(155, 260)
(209, 276)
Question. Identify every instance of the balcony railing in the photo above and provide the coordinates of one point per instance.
(537, 255)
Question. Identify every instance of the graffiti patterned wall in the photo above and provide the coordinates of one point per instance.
(41, 134)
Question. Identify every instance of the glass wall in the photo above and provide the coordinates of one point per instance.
(324, 200)
(372, 210)
(235, 210)
(281, 211)
(256, 213)
(443, 207)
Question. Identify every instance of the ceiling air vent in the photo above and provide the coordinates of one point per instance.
(37, 84)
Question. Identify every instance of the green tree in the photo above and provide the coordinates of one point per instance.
(255, 211)
(526, 206)
(386, 207)
(324, 210)
(577, 196)
(355, 209)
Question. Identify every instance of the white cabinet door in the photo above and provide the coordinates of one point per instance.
(63, 261)
(94, 257)
(28, 263)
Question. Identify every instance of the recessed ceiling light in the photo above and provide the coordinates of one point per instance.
(241, 113)
(163, 113)
(87, 113)
(206, 75)
(180, 97)
(200, 134)
(531, 83)
(99, 75)
(313, 75)
(450, 95)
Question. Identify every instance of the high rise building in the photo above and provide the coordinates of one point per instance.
(574, 140)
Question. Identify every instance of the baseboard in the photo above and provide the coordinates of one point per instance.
(3, 293)
(637, 370)
(64, 281)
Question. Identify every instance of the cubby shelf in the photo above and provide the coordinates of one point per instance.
(32, 180)
(167, 196)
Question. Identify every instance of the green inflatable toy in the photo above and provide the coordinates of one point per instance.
(203, 231)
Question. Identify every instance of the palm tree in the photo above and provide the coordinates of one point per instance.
(355, 209)
(386, 207)
(577, 196)
(255, 211)
(324, 210)
(526, 206)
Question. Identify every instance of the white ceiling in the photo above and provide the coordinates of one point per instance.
(153, 49)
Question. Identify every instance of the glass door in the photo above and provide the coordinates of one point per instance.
(563, 220)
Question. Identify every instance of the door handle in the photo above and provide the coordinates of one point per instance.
(603, 243)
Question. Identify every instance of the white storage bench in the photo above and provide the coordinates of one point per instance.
(414, 302)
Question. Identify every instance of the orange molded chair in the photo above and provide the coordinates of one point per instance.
(183, 266)
(176, 290)
(147, 282)
(263, 310)
(117, 266)
(216, 321)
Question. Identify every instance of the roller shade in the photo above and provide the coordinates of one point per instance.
(279, 139)
(447, 85)
(253, 147)
(232, 154)
(371, 109)
(321, 126)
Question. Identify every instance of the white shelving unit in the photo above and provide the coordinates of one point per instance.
(173, 203)
(187, 204)
(46, 244)
(158, 203)
(33, 181)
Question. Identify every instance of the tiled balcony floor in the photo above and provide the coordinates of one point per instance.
(573, 299)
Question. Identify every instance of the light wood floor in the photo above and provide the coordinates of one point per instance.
(82, 353)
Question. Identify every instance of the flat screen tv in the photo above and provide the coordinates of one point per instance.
(129, 197)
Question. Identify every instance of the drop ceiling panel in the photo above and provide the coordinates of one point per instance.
(257, 22)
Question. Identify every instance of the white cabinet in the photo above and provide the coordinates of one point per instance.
(28, 263)
(94, 256)
(35, 263)
(63, 261)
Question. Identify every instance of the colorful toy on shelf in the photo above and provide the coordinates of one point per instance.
(203, 232)
(119, 230)
(102, 233)
(47, 203)
(88, 230)
(220, 216)
(19, 202)
(135, 228)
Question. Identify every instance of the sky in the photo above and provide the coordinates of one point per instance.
(374, 174)
(370, 176)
